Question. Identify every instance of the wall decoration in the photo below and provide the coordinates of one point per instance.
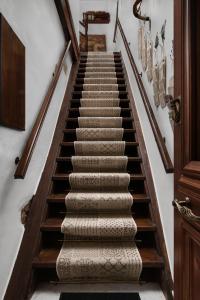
(140, 42)
(156, 84)
(12, 78)
(95, 42)
(155, 74)
(149, 59)
(144, 51)
(170, 88)
(162, 32)
(162, 81)
(96, 17)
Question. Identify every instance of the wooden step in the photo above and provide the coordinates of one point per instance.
(127, 123)
(78, 94)
(79, 87)
(115, 54)
(70, 135)
(54, 224)
(67, 149)
(123, 103)
(74, 112)
(104, 63)
(60, 198)
(68, 159)
(47, 258)
(81, 81)
(118, 74)
(64, 177)
(116, 59)
(118, 69)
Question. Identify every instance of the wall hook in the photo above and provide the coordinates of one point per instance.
(137, 10)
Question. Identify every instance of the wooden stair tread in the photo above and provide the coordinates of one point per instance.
(54, 224)
(72, 143)
(125, 119)
(65, 176)
(60, 198)
(78, 101)
(68, 159)
(77, 109)
(74, 130)
(47, 258)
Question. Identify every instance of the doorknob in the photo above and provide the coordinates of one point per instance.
(185, 211)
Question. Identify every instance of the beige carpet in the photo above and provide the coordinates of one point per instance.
(99, 229)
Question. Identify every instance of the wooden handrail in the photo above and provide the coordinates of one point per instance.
(32, 139)
(117, 15)
(154, 125)
(83, 24)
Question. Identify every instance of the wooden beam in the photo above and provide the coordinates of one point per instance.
(67, 23)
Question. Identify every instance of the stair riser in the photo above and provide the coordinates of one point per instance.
(58, 210)
(81, 81)
(62, 186)
(83, 70)
(74, 113)
(66, 167)
(78, 95)
(119, 75)
(68, 150)
(74, 123)
(48, 274)
(116, 60)
(124, 103)
(71, 136)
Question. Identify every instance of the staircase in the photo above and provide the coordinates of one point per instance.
(52, 238)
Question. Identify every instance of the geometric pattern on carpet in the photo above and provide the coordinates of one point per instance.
(99, 229)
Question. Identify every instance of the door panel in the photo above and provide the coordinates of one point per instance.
(187, 148)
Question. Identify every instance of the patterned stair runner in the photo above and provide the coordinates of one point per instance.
(103, 246)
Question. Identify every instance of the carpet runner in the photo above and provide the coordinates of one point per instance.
(100, 230)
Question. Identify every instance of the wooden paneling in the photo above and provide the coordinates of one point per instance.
(189, 262)
(187, 157)
(12, 78)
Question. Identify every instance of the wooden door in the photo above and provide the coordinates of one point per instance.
(187, 150)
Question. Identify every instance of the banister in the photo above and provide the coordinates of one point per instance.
(117, 14)
(154, 125)
(83, 24)
(32, 139)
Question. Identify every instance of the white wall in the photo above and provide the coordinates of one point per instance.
(37, 25)
(158, 10)
(108, 29)
(75, 10)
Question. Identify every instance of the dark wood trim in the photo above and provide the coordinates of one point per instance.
(31, 142)
(22, 279)
(67, 23)
(117, 15)
(166, 280)
(154, 125)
